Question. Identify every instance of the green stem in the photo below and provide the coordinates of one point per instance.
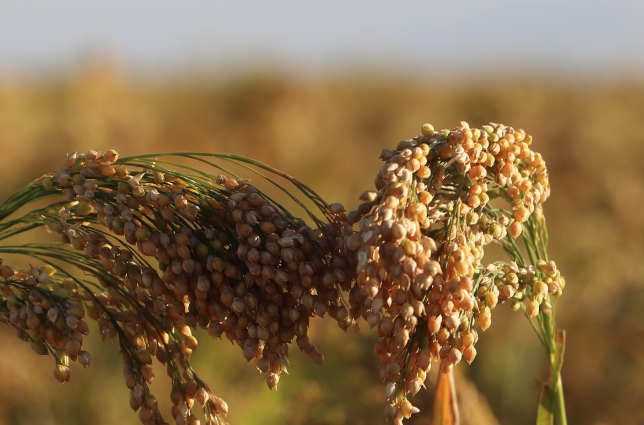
(560, 405)
(552, 409)
(555, 379)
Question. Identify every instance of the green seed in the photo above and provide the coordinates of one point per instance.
(138, 192)
(142, 234)
(515, 304)
(428, 130)
(489, 160)
(69, 283)
(217, 245)
(117, 223)
(62, 293)
(14, 300)
(159, 177)
(78, 179)
(202, 250)
(78, 165)
(133, 203)
(84, 210)
(120, 269)
(512, 279)
(496, 230)
(123, 187)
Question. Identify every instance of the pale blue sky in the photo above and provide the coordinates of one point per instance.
(578, 36)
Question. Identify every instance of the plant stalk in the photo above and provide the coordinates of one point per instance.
(552, 409)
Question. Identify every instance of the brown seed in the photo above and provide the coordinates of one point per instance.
(390, 411)
(202, 396)
(452, 321)
(469, 354)
(62, 373)
(181, 239)
(532, 309)
(521, 214)
(406, 408)
(84, 358)
(108, 171)
(477, 172)
(147, 373)
(368, 196)
(222, 406)
(191, 342)
(73, 347)
(110, 156)
(515, 229)
(434, 323)
(238, 305)
(455, 355)
(272, 380)
(317, 357)
(71, 321)
(337, 207)
(145, 414)
(485, 319)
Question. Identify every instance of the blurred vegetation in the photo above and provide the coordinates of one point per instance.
(329, 133)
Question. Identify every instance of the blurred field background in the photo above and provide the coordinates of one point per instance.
(329, 133)
(553, 69)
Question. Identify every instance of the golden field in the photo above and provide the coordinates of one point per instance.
(328, 132)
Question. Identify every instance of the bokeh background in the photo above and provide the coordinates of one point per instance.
(318, 90)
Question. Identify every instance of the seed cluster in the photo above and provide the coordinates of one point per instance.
(173, 251)
(226, 260)
(420, 244)
(47, 312)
